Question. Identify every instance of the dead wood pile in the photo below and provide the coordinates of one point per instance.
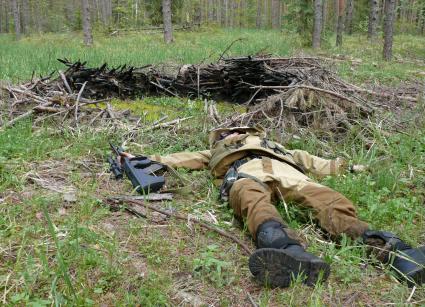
(280, 93)
(24, 101)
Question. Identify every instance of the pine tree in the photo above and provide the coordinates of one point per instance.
(88, 36)
(318, 20)
(168, 26)
(389, 29)
(373, 19)
(16, 19)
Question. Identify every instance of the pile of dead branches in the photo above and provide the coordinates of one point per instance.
(280, 93)
(124, 82)
(24, 101)
(289, 93)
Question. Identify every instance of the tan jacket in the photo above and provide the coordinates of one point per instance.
(250, 141)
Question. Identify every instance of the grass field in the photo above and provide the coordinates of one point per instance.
(38, 54)
(56, 250)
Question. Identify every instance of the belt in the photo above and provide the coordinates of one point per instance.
(232, 175)
(250, 157)
(240, 162)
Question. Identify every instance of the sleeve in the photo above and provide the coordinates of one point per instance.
(318, 166)
(191, 160)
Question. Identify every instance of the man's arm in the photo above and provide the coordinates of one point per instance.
(191, 160)
(319, 166)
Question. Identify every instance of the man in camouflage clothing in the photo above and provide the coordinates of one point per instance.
(255, 172)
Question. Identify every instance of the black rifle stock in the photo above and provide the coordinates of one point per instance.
(138, 169)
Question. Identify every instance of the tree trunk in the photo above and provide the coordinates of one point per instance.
(389, 29)
(373, 19)
(51, 8)
(266, 14)
(38, 10)
(349, 18)
(242, 11)
(324, 14)
(25, 16)
(235, 11)
(197, 15)
(106, 11)
(281, 13)
(168, 26)
(109, 11)
(200, 9)
(318, 20)
(94, 11)
(6, 16)
(210, 10)
(218, 11)
(414, 14)
(137, 12)
(2, 9)
(423, 21)
(88, 36)
(258, 20)
(275, 14)
(381, 12)
(340, 27)
(103, 12)
(231, 13)
(16, 19)
(223, 13)
(239, 12)
(336, 14)
(69, 14)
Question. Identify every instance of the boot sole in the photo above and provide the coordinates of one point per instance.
(277, 267)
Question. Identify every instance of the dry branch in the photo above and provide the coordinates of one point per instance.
(313, 88)
(78, 101)
(54, 103)
(170, 123)
(65, 82)
(221, 232)
(384, 95)
(25, 115)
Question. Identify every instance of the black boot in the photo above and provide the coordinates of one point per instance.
(278, 259)
(407, 262)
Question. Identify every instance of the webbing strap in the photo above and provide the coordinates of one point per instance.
(243, 175)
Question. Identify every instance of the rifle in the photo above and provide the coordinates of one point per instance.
(140, 170)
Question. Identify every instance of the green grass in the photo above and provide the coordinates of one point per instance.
(54, 252)
(38, 54)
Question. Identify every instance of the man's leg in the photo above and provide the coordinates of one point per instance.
(334, 212)
(279, 257)
(252, 202)
(337, 215)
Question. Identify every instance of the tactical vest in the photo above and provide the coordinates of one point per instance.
(225, 152)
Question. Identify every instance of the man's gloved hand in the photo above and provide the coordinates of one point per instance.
(358, 168)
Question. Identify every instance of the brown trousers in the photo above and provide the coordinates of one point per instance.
(252, 200)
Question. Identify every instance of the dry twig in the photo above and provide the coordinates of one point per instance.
(221, 232)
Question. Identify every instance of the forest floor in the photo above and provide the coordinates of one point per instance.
(61, 245)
